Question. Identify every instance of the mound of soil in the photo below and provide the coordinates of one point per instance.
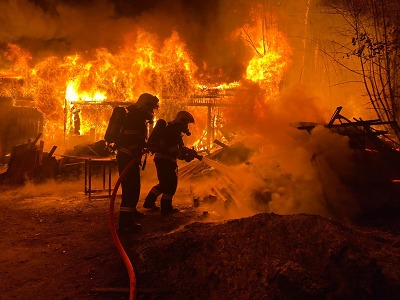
(57, 245)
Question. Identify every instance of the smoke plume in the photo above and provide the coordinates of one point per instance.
(301, 172)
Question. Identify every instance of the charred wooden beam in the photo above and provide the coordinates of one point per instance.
(36, 139)
(219, 143)
(361, 132)
(52, 151)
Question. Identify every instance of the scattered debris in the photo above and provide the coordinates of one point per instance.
(371, 175)
(28, 162)
(223, 188)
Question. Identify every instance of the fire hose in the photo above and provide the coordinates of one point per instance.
(111, 224)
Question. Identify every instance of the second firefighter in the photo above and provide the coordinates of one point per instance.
(167, 144)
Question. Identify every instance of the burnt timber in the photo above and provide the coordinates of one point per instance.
(371, 173)
(361, 132)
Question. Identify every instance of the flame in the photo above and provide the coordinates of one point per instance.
(265, 68)
(57, 85)
(200, 144)
(221, 87)
(72, 94)
(142, 65)
(268, 65)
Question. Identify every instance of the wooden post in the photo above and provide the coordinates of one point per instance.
(209, 127)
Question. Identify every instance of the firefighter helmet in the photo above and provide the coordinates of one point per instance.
(184, 118)
(147, 103)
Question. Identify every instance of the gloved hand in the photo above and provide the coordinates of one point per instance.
(111, 147)
(189, 157)
(188, 154)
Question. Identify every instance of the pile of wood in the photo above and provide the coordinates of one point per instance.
(363, 134)
(222, 187)
(28, 162)
(228, 155)
(366, 182)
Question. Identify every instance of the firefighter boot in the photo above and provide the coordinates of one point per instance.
(126, 224)
(150, 201)
(167, 208)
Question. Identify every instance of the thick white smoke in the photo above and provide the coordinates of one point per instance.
(302, 172)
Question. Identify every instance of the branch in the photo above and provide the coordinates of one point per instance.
(251, 42)
(339, 63)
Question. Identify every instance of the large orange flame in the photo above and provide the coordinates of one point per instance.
(269, 63)
(63, 87)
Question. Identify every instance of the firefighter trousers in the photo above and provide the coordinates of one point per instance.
(130, 184)
(167, 173)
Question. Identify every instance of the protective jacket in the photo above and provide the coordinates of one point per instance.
(166, 154)
(133, 135)
(171, 143)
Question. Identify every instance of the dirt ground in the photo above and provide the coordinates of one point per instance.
(56, 244)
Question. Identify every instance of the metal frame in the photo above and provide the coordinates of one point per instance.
(104, 163)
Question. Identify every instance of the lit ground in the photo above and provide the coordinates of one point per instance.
(56, 244)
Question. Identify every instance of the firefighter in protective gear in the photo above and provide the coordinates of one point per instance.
(130, 144)
(169, 149)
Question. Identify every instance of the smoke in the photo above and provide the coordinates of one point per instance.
(291, 171)
(23, 19)
(68, 192)
(62, 27)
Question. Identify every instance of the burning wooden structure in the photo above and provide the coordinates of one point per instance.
(213, 99)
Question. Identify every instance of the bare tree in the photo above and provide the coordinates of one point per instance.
(374, 40)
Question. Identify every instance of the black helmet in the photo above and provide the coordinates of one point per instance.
(185, 118)
(148, 103)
